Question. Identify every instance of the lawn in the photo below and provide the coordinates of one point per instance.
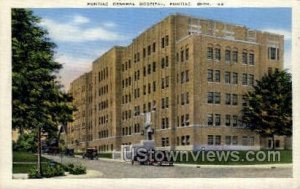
(237, 157)
(26, 157)
(24, 161)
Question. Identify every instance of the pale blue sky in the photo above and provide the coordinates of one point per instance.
(82, 35)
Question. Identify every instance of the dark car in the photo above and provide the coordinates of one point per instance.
(90, 153)
(162, 157)
(69, 152)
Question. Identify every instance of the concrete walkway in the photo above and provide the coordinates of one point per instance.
(89, 174)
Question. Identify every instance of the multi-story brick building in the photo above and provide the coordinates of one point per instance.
(79, 132)
(180, 83)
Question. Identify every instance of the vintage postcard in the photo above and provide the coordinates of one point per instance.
(107, 94)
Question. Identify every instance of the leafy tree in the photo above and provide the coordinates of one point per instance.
(269, 110)
(39, 103)
(27, 142)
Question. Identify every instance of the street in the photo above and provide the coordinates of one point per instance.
(116, 169)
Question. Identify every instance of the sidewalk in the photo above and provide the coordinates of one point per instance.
(262, 166)
(89, 174)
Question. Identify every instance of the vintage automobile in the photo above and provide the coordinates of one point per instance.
(69, 152)
(90, 153)
(152, 157)
(162, 157)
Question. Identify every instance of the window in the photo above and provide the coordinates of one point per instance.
(182, 56)
(163, 123)
(154, 66)
(153, 47)
(162, 83)
(149, 50)
(167, 141)
(182, 99)
(251, 141)
(234, 121)
(227, 120)
(187, 120)
(167, 81)
(217, 76)
(210, 97)
(187, 98)
(144, 71)
(251, 59)
(149, 68)
(163, 42)
(209, 52)
(217, 98)
(272, 53)
(167, 40)
(228, 99)
(154, 86)
(209, 119)
(187, 75)
(245, 79)
(163, 63)
(182, 140)
(144, 52)
(217, 119)
(245, 60)
(210, 75)
(210, 139)
(187, 54)
(167, 102)
(227, 77)
(144, 89)
(187, 139)
(244, 140)
(251, 79)
(234, 140)
(227, 140)
(235, 78)
(218, 140)
(167, 61)
(217, 53)
(234, 99)
(235, 56)
(227, 55)
(182, 120)
(149, 88)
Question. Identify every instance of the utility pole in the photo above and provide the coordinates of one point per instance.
(39, 153)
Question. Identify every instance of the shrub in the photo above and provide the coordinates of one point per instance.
(48, 171)
(69, 167)
(77, 169)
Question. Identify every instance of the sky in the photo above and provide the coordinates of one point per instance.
(84, 34)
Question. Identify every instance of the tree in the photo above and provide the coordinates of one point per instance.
(39, 104)
(27, 142)
(269, 110)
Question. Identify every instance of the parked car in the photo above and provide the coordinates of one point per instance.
(163, 158)
(90, 153)
(69, 152)
(153, 158)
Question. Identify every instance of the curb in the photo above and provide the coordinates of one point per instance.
(262, 166)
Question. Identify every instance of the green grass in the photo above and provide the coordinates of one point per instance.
(238, 159)
(24, 168)
(26, 157)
